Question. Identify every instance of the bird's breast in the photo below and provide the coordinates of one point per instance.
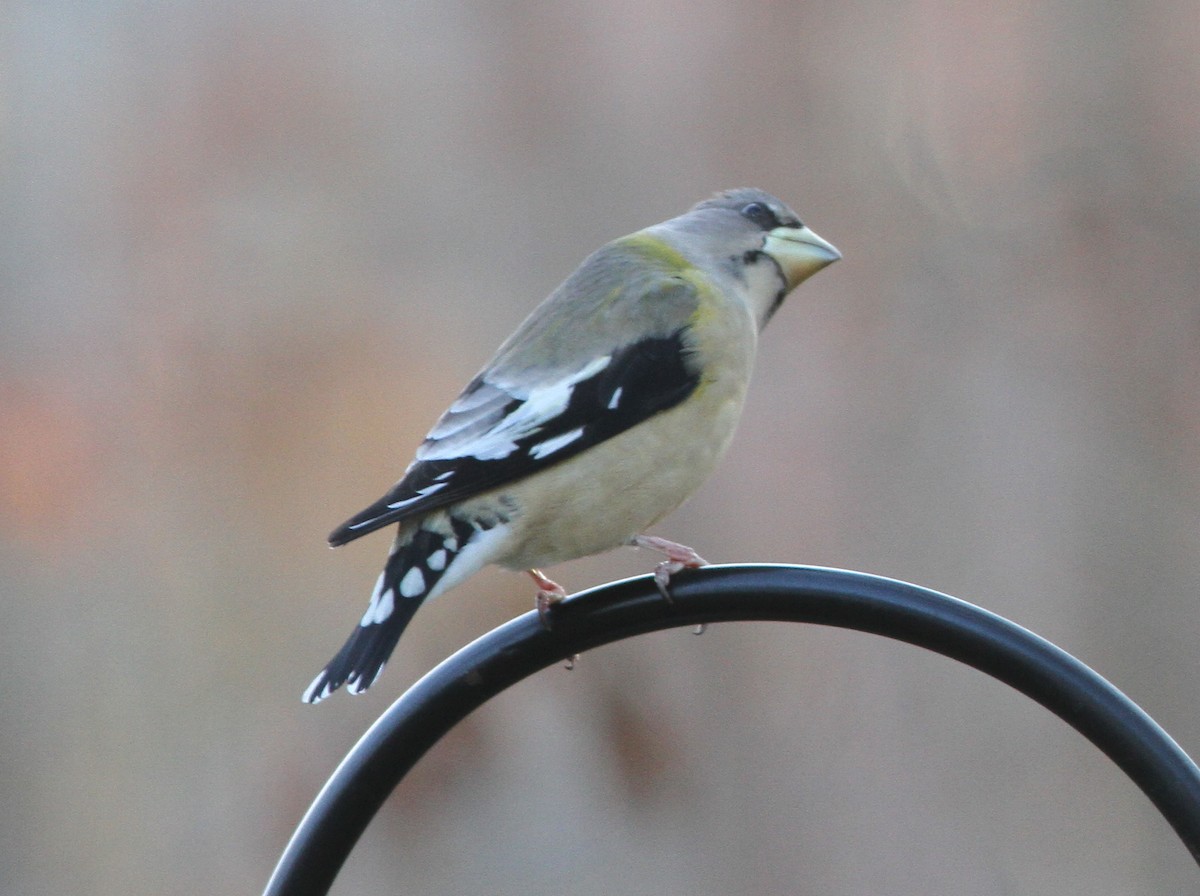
(601, 498)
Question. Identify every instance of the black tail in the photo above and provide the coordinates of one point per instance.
(362, 657)
(411, 574)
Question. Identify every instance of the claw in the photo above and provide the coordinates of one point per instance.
(662, 578)
(679, 556)
(549, 593)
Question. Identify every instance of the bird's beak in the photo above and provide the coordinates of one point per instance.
(799, 252)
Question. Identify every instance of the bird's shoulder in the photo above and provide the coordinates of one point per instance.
(632, 287)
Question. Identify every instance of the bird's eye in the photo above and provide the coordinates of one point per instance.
(761, 215)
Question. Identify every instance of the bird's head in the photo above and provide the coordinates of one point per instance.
(755, 239)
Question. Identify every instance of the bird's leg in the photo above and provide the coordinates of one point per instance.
(549, 593)
(679, 556)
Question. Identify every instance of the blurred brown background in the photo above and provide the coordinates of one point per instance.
(251, 250)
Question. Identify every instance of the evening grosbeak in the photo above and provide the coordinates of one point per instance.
(607, 407)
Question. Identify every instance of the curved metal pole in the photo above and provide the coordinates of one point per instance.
(612, 612)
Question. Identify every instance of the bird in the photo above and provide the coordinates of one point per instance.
(607, 407)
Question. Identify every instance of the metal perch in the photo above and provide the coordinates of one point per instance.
(619, 610)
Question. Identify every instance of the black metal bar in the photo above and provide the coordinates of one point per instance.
(851, 600)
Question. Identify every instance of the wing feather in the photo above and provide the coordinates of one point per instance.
(493, 434)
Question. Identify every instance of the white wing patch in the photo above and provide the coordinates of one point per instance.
(542, 449)
(458, 432)
(421, 493)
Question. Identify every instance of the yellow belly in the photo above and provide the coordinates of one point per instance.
(603, 497)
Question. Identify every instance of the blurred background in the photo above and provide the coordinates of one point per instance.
(250, 251)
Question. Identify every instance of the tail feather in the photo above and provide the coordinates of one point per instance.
(365, 652)
(413, 573)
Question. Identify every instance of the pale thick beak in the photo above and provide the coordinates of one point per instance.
(799, 252)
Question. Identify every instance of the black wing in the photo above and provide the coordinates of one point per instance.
(490, 437)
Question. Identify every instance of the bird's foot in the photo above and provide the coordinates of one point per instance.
(679, 556)
(549, 593)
